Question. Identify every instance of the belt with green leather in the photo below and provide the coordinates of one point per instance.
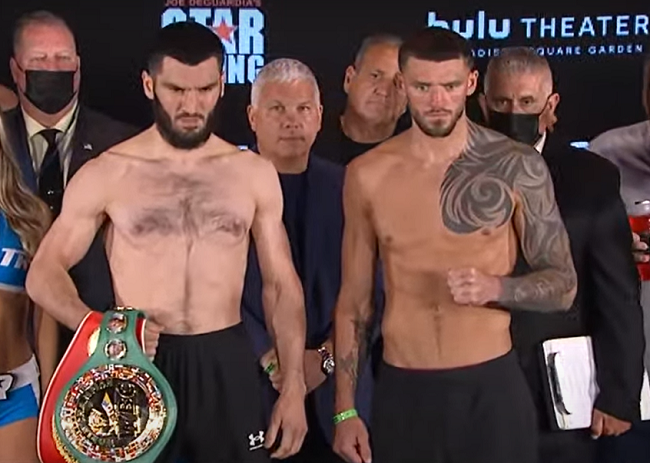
(114, 407)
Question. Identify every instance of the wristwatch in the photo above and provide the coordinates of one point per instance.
(327, 365)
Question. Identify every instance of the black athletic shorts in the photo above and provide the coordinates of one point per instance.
(216, 380)
(478, 414)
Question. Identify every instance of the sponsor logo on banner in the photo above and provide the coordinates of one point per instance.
(238, 23)
(577, 35)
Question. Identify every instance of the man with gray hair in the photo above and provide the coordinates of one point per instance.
(374, 107)
(285, 115)
(519, 101)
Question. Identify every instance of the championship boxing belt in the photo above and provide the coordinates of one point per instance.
(107, 402)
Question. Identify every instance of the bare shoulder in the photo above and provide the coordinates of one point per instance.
(482, 186)
(500, 156)
(253, 166)
(95, 174)
(137, 146)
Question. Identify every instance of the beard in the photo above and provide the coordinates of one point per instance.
(439, 129)
(185, 140)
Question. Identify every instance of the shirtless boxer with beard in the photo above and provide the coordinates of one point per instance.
(180, 203)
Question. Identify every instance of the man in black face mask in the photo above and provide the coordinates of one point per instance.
(53, 135)
(519, 102)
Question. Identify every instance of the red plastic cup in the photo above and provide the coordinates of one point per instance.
(639, 217)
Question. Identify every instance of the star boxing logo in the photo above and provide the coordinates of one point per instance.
(238, 23)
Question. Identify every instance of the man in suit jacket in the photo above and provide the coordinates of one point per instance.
(285, 114)
(53, 134)
(519, 102)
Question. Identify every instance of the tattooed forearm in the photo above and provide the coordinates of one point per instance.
(351, 363)
(545, 244)
(542, 291)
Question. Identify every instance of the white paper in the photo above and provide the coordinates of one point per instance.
(576, 389)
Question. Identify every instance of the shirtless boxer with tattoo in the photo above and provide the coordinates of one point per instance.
(447, 204)
(180, 203)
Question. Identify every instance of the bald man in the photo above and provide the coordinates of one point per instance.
(519, 101)
(8, 99)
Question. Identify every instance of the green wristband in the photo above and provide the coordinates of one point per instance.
(346, 415)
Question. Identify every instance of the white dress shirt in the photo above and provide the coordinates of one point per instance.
(539, 146)
(38, 144)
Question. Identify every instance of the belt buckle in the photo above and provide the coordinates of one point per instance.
(6, 381)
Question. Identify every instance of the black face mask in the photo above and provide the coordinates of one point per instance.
(49, 91)
(523, 128)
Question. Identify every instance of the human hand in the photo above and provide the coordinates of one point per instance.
(469, 286)
(603, 424)
(351, 441)
(152, 332)
(271, 366)
(290, 420)
(639, 249)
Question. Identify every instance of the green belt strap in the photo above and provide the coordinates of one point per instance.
(118, 407)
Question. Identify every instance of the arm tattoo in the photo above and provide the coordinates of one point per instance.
(545, 245)
(495, 181)
(351, 364)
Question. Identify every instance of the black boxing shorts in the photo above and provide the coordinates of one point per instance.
(216, 381)
(476, 414)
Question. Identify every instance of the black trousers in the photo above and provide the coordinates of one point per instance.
(567, 447)
(631, 447)
(478, 414)
(216, 381)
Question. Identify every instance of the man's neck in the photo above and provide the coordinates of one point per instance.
(287, 165)
(46, 120)
(361, 131)
(440, 150)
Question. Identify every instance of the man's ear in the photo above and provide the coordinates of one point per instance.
(350, 72)
(147, 85)
(252, 117)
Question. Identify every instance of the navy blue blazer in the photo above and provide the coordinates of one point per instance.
(94, 133)
(321, 280)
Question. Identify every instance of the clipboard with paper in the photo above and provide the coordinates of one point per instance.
(571, 376)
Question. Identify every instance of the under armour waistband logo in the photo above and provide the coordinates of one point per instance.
(6, 381)
(256, 441)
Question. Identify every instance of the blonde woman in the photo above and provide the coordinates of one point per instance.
(24, 220)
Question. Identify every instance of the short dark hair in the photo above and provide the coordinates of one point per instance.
(436, 44)
(188, 42)
(41, 17)
(374, 40)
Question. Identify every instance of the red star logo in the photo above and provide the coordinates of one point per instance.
(224, 31)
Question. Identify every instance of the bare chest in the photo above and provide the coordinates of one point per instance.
(189, 205)
(445, 209)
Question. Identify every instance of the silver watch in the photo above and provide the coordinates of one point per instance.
(327, 364)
